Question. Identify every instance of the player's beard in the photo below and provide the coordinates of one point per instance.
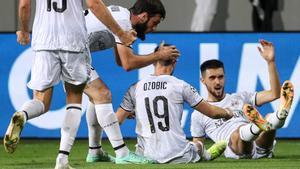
(141, 30)
(218, 94)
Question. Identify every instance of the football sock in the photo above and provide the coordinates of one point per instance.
(110, 125)
(32, 109)
(69, 129)
(94, 130)
(275, 120)
(249, 132)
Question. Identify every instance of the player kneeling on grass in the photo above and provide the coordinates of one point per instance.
(253, 138)
(157, 104)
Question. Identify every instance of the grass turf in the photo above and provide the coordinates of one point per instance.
(42, 153)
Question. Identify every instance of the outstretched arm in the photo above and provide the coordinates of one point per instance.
(102, 13)
(126, 58)
(267, 52)
(212, 111)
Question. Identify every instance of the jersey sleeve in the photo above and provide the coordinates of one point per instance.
(125, 26)
(128, 101)
(122, 16)
(248, 97)
(191, 95)
(197, 126)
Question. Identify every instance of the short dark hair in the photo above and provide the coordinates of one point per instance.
(211, 64)
(152, 7)
(165, 62)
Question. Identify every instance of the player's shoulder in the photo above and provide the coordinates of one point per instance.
(132, 86)
(174, 79)
(119, 10)
(241, 94)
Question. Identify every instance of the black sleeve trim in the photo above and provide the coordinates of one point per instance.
(125, 109)
(203, 136)
(255, 100)
(86, 12)
(197, 103)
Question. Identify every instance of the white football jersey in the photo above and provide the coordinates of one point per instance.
(59, 25)
(158, 105)
(120, 14)
(221, 129)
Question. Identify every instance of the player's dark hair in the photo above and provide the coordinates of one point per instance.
(211, 64)
(165, 62)
(152, 7)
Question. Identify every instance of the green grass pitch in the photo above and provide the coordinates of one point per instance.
(42, 153)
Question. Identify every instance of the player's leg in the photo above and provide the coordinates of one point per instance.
(41, 82)
(71, 122)
(29, 110)
(75, 74)
(277, 119)
(256, 118)
(101, 96)
(264, 144)
(241, 140)
(95, 152)
(265, 141)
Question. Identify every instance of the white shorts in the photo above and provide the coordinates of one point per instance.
(257, 152)
(49, 67)
(94, 74)
(190, 155)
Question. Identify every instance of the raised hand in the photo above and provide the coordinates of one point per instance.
(267, 50)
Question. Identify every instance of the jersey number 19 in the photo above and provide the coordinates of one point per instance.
(164, 116)
(55, 7)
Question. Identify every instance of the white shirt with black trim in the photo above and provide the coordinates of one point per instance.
(120, 14)
(221, 129)
(158, 105)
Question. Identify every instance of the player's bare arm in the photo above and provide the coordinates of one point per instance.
(128, 60)
(122, 115)
(212, 111)
(101, 12)
(24, 16)
(268, 53)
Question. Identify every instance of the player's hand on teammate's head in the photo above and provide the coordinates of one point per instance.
(23, 38)
(267, 50)
(128, 37)
(167, 52)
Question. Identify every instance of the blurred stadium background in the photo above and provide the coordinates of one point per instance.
(230, 39)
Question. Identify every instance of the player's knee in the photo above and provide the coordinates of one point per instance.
(106, 94)
(102, 96)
